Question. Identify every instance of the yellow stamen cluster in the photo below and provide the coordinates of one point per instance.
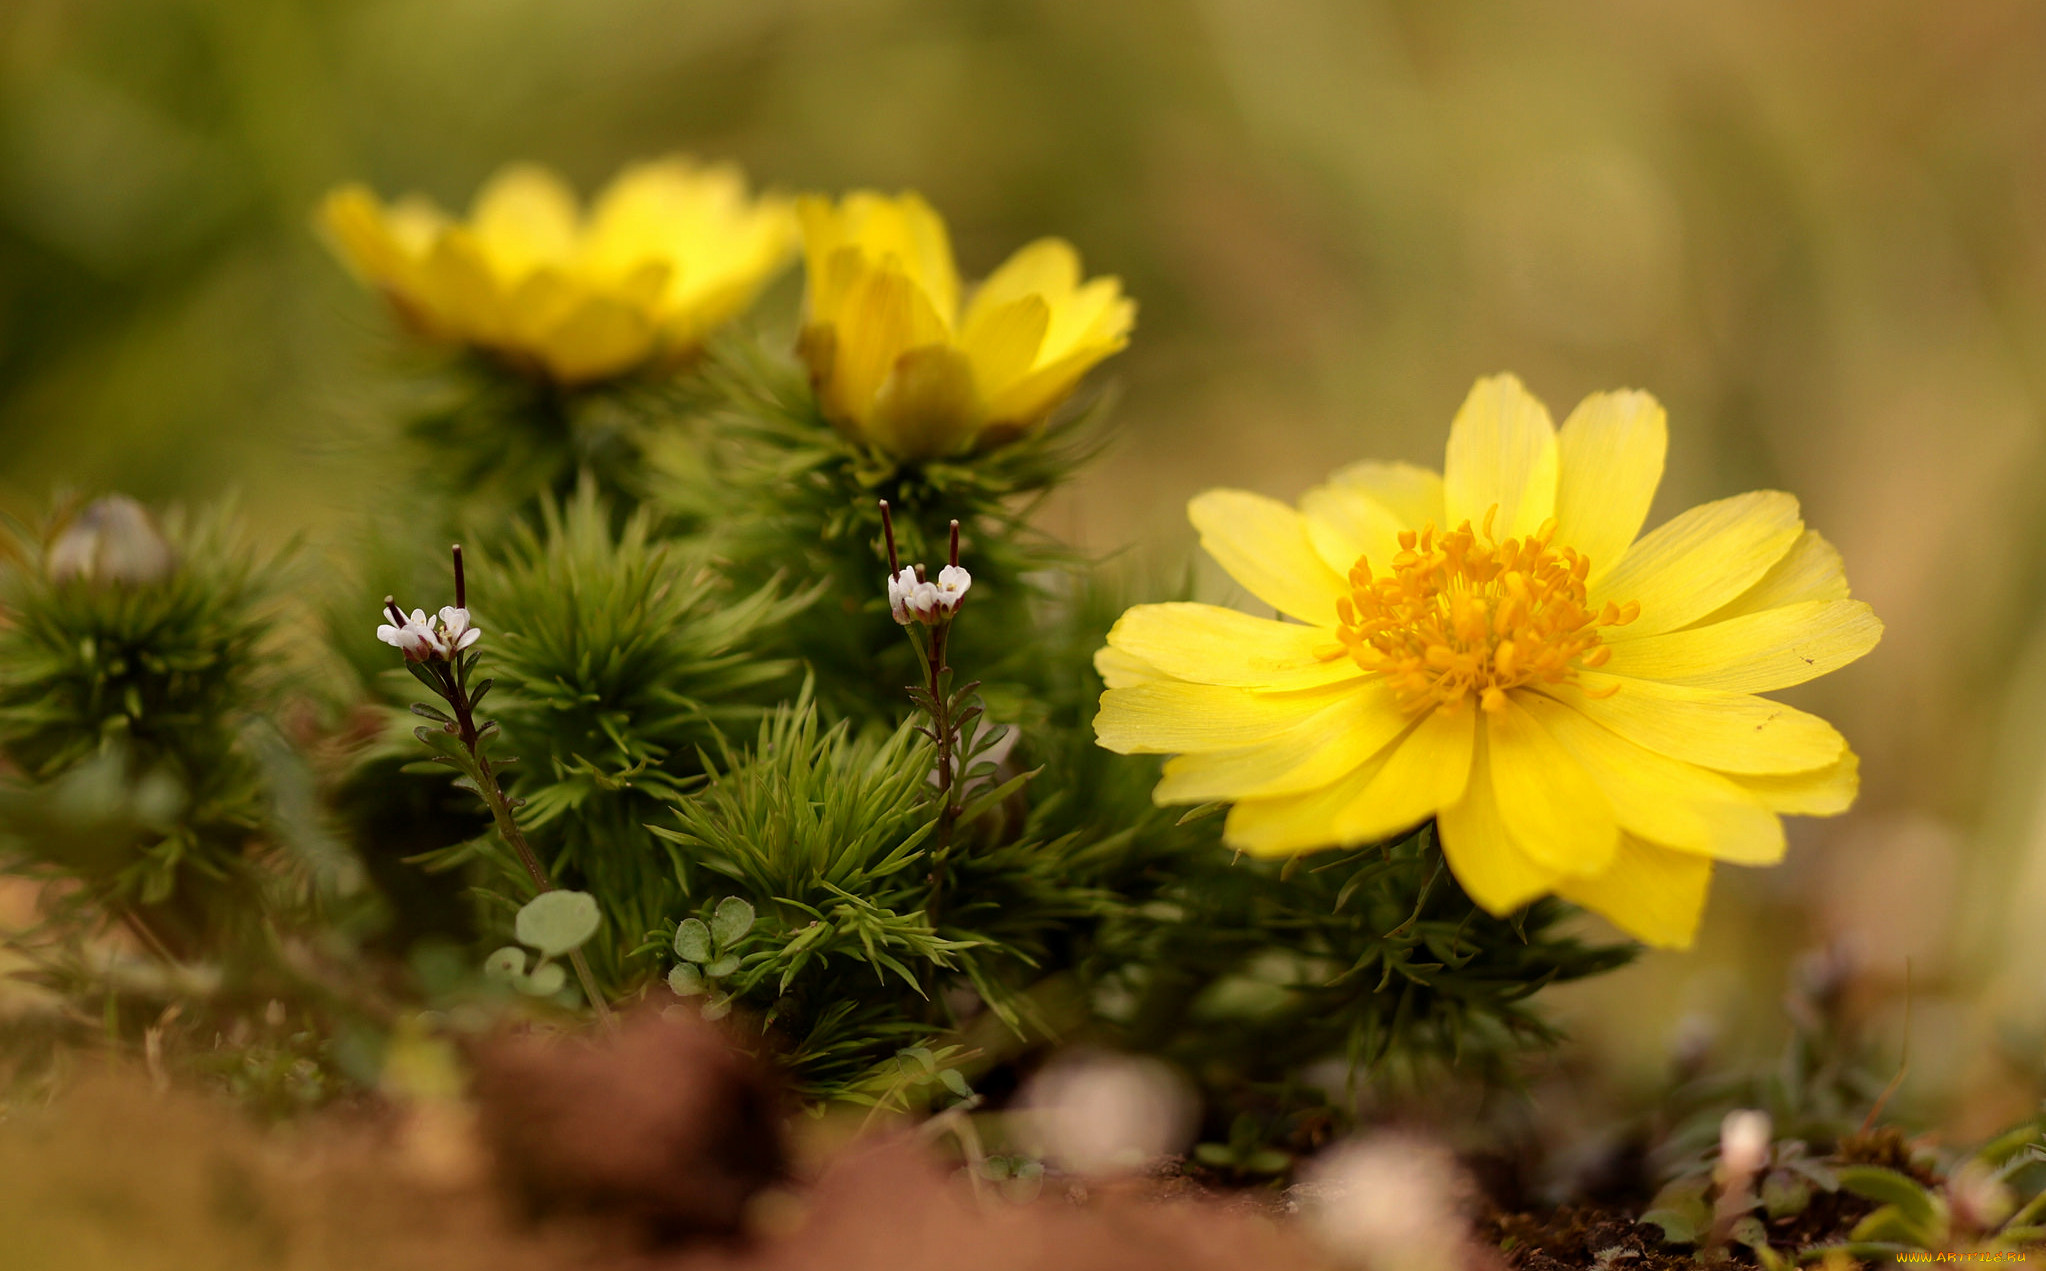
(1463, 615)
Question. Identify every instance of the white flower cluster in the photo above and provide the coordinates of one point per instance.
(915, 600)
(424, 638)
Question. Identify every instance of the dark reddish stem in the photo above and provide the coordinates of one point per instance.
(888, 530)
(461, 581)
(955, 543)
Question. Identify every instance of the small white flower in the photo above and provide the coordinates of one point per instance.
(900, 588)
(951, 589)
(912, 599)
(423, 638)
(415, 638)
(456, 631)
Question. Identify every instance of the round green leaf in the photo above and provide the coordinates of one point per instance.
(507, 964)
(692, 940)
(955, 1083)
(723, 966)
(717, 1009)
(686, 980)
(556, 921)
(545, 981)
(731, 922)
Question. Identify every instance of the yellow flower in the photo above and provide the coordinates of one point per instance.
(669, 251)
(895, 362)
(1495, 648)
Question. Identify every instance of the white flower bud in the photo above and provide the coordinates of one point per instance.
(1743, 1143)
(953, 580)
(1108, 1114)
(1389, 1202)
(111, 540)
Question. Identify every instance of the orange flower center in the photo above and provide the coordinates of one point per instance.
(1462, 614)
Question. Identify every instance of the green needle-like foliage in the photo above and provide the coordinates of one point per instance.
(1250, 970)
(615, 657)
(829, 834)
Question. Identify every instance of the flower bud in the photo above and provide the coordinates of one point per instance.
(1389, 1202)
(112, 540)
(1743, 1143)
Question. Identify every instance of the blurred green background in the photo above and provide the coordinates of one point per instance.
(1817, 231)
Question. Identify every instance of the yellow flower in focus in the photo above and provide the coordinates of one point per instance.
(666, 253)
(1495, 648)
(897, 363)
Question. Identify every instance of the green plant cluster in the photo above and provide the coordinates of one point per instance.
(720, 748)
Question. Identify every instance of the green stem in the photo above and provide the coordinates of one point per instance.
(508, 827)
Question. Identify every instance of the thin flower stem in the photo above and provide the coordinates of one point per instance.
(941, 715)
(457, 694)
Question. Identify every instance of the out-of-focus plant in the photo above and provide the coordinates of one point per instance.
(565, 323)
(668, 252)
(137, 674)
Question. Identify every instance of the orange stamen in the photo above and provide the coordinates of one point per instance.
(1463, 615)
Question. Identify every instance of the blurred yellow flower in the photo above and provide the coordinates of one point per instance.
(1495, 648)
(896, 363)
(667, 252)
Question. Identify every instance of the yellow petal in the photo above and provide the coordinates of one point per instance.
(1031, 398)
(930, 249)
(1212, 645)
(1264, 545)
(1425, 773)
(600, 338)
(883, 316)
(1810, 570)
(1731, 732)
(1291, 823)
(1167, 717)
(1003, 340)
(1756, 652)
(1309, 754)
(1826, 791)
(1502, 452)
(1048, 269)
(540, 303)
(525, 217)
(1610, 455)
(1551, 807)
(1663, 800)
(1095, 315)
(459, 292)
(353, 222)
(1700, 560)
(1488, 864)
(1651, 893)
(1344, 523)
(1413, 494)
(927, 406)
(1118, 669)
